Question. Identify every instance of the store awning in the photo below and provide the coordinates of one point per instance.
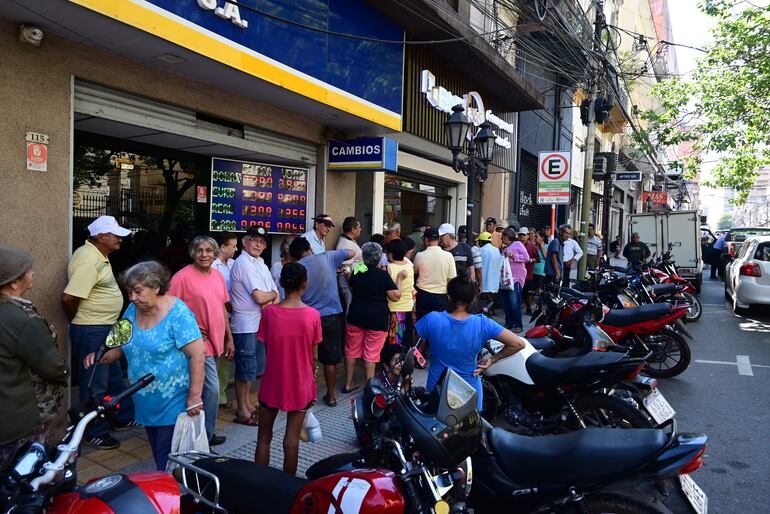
(197, 45)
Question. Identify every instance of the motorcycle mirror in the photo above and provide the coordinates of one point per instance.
(120, 334)
(407, 368)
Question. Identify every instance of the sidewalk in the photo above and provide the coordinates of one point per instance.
(336, 426)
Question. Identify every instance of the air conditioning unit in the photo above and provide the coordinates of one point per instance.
(604, 163)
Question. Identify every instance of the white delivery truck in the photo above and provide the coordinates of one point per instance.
(682, 230)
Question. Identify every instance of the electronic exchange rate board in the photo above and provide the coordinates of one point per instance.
(244, 194)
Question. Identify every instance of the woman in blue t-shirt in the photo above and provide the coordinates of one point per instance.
(167, 343)
(456, 336)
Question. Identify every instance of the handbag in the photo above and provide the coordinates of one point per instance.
(506, 276)
(189, 435)
(311, 429)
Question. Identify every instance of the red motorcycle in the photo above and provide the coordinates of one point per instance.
(664, 272)
(643, 331)
(43, 480)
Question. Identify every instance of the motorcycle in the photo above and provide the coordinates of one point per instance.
(425, 468)
(591, 470)
(644, 331)
(542, 395)
(42, 479)
(665, 271)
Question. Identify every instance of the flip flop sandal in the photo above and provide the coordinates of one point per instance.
(345, 390)
(327, 402)
(251, 422)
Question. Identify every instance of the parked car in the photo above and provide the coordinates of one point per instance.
(735, 238)
(747, 276)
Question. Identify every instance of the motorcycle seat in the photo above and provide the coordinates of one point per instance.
(249, 487)
(625, 317)
(580, 295)
(662, 289)
(546, 371)
(542, 343)
(584, 457)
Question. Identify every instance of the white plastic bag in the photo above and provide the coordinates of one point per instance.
(189, 434)
(311, 429)
(506, 277)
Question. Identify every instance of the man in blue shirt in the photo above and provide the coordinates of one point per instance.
(323, 295)
(716, 258)
(554, 261)
(491, 268)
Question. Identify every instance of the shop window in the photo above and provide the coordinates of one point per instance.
(148, 190)
(408, 200)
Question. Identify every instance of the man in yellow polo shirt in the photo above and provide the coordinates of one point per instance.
(434, 268)
(92, 301)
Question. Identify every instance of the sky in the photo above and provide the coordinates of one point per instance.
(690, 27)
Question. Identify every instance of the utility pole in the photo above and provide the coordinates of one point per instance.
(589, 167)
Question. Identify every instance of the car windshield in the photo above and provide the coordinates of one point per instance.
(740, 234)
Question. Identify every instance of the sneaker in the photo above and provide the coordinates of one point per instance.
(216, 440)
(104, 442)
(120, 427)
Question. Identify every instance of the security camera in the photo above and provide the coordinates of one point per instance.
(30, 35)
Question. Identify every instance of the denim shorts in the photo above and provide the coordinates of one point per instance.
(249, 356)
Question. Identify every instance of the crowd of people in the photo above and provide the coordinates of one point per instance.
(315, 309)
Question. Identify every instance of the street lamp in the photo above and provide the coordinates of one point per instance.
(480, 152)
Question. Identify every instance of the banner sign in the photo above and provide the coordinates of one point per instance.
(658, 198)
(245, 194)
(363, 154)
(629, 176)
(358, 77)
(553, 178)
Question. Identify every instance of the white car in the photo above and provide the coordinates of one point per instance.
(747, 276)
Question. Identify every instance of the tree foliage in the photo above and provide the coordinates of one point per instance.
(725, 222)
(724, 107)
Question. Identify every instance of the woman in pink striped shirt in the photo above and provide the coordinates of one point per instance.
(518, 257)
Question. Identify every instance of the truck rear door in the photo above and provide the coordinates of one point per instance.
(683, 234)
(648, 228)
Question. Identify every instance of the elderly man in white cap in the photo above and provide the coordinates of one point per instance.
(92, 301)
(461, 252)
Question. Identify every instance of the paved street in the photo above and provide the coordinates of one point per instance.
(724, 393)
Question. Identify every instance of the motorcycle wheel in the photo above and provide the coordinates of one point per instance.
(695, 311)
(602, 411)
(609, 504)
(670, 354)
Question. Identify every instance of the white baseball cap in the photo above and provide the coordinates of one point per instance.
(446, 228)
(524, 230)
(107, 225)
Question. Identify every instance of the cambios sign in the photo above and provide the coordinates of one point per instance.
(363, 154)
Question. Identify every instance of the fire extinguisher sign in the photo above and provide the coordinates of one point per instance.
(554, 173)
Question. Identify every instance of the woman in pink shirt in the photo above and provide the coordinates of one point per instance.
(291, 332)
(518, 257)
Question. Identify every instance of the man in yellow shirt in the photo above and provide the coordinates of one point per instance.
(434, 269)
(92, 301)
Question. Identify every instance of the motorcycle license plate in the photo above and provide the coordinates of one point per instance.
(695, 495)
(658, 407)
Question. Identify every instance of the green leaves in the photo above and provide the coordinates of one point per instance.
(725, 106)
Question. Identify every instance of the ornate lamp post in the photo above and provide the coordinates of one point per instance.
(480, 153)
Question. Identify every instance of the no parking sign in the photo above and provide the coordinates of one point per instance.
(554, 173)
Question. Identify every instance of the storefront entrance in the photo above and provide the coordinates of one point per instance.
(410, 198)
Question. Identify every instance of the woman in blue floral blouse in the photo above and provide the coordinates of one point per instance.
(167, 343)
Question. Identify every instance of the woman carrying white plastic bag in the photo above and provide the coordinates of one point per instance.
(189, 435)
(311, 429)
(291, 332)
